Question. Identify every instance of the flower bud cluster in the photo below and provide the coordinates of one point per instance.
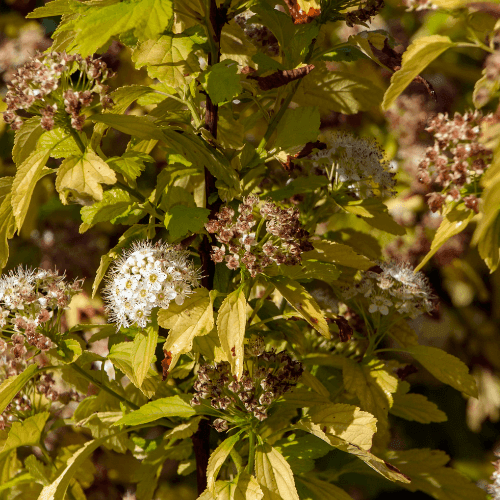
(456, 161)
(147, 275)
(494, 488)
(43, 385)
(416, 5)
(283, 244)
(261, 35)
(356, 161)
(394, 286)
(44, 87)
(31, 304)
(269, 376)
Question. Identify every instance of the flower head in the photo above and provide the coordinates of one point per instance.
(394, 285)
(147, 275)
(357, 161)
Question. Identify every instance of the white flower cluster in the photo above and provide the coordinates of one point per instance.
(395, 285)
(32, 300)
(357, 161)
(146, 276)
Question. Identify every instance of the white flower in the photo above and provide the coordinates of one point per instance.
(146, 276)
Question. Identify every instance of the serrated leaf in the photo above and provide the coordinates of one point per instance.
(273, 473)
(122, 356)
(100, 425)
(183, 431)
(38, 471)
(339, 253)
(231, 323)
(57, 489)
(222, 81)
(143, 352)
(26, 177)
(115, 202)
(173, 406)
(130, 164)
(25, 433)
(373, 385)
(489, 245)
(445, 367)
(97, 24)
(217, 459)
(60, 143)
(12, 385)
(346, 422)
(297, 127)
(171, 59)
(418, 408)
(180, 220)
(455, 220)
(54, 8)
(415, 59)
(403, 333)
(299, 185)
(346, 93)
(323, 490)
(81, 177)
(68, 350)
(194, 318)
(26, 140)
(301, 452)
(300, 299)
(242, 487)
(429, 474)
(142, 127)
(7, 223)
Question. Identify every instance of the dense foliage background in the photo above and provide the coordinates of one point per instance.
(465, 280)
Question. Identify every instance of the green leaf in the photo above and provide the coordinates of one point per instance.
(489, 245)
(16, 481)
(323, 490)
(26, 139)
(26, 177)
(173, 406)
(300, 185)
(142, 127)
(143, 352)
(68, 350)
(344, 54)
(415, 407)
(231, 323)
(415, 59)
(98, 24)
(180, 220)
(345, 422)
(171, 59)
(122, 356)
(273, 473)
(297, 127)
(373, 385)
(330, 251)
(346, 93)
(25, 433)
(300, 452)
(57, 489)
(130, 164)
(455, 220)
(300, 299)
(218, 457)
(81, 177)
(38, 471)
(194, 318)
(445, 367)
(100, 425)
(60, 143)
(429, 474)
(115, 202)
(54, 8)
(222, 81)
(7, 221)
(12, 385)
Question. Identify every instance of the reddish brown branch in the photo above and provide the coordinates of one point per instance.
(281, 77)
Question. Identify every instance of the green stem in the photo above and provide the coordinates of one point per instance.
(77, 139)
(251, 451)
(260, 302)
(104, 387)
